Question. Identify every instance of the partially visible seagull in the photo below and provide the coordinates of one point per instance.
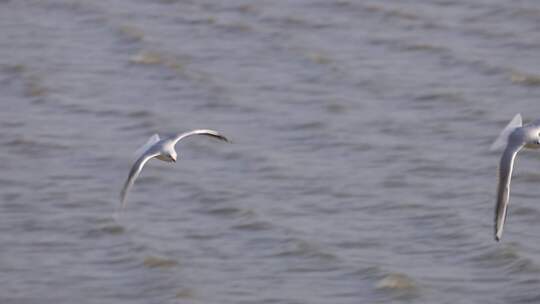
(162, 149)
(514, 137)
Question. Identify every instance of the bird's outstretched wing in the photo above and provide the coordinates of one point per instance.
(134, 173)
(503, 188)
(206, 132)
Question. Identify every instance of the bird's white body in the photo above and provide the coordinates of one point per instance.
(166, 150)
(514, 138)
(162, 149)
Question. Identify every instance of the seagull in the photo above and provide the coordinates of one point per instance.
(162, 149)
(514, 137)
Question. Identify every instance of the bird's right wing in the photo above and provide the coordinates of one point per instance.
(133, 174)
(502, 140)
(503, 188)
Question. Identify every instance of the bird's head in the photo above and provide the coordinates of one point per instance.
(530, 136)
(173, 157)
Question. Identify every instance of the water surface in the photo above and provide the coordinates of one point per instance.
(359, 173)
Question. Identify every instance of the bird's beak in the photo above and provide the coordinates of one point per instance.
(174, 160)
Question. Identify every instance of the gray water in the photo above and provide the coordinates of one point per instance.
(359, 170)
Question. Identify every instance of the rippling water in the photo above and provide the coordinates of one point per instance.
(359, 173)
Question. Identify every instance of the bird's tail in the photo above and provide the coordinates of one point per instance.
(502, 140)
(151, 141)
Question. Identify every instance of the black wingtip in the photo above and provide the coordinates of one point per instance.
(221, 137)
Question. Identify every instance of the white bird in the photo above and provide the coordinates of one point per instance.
(162, 149)
(514, 137)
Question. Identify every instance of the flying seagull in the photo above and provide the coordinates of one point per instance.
(162, 149)
(514, 137)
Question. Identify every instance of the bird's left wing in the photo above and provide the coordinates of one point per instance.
(206, 132)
